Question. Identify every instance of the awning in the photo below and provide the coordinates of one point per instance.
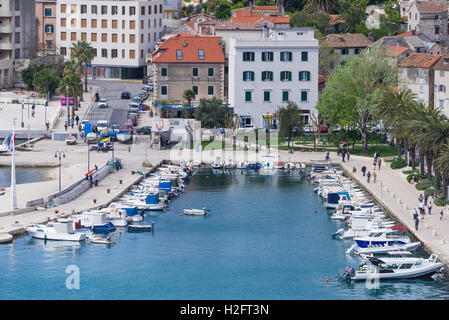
(176, 107)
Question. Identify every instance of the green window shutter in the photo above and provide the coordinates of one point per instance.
(164, 72)
(243, 75)
(263, 75)
(308, 76)
(284, 96)
(271, 75)
(289, 76)
(303, 95)
(252, 76)
(266, 96)
(290, 56)
(247, 96)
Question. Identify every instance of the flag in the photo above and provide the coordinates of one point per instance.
(11, 142)
(106, 139)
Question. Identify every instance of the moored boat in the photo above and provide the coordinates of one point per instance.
(62, 230)
(141, 227)
(195, 212)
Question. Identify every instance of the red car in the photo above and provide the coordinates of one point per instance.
(324, 128)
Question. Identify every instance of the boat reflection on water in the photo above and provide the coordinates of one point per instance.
(56, 246)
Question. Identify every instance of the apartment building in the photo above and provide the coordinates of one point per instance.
(46, 26)
(416, 72)
(441, 89)
(347, 45)
(429, 17)
(17, 37)
(188, 61)
(121, 33)
(269, 72)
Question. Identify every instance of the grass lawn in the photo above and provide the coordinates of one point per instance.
(214, 145)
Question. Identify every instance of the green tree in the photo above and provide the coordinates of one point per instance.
(212, 113)
(320, 5)
(27, 74)
(72, 66)
(354, 89)
(289, 118)
(83, 52)
(442, 163)
(46, 80)
(73, 81)
(392, 19)
(300, 19)
(189, 95)
(327, 59)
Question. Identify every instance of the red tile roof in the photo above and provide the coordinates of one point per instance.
(189, 44)
(335, 18)
(347, 40)
(256, 19)
(409, 33)
(396, 50)
(420, 60)
(321, 78)
(431, 6)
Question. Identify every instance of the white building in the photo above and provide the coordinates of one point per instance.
(121, 32)
(266, 73)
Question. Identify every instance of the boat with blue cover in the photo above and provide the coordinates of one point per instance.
(141, 227)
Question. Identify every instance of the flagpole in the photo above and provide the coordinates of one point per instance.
(13, 168)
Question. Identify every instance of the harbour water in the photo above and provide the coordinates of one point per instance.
(23, 175)
(267, 237)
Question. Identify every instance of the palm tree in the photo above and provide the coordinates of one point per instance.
(72, 66)
(312, 6)
(83, 53)
(442, 163)
(189, 95)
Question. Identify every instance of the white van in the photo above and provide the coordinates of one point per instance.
(102, 125)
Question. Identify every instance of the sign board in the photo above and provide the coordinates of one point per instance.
(87, 128)
(71, 101)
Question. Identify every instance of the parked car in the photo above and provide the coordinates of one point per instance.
(144, 130)
(308, 128)
(102, 125)
(136, 100)
(126, 95)
(336, 129)
(103, 103)
(324, 128)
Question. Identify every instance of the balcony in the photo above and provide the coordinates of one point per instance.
(6, 46)
(6, 26)
(7, 12)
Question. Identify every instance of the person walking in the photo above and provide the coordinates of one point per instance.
(72, 122)
(375, 164)
(77, 119)
(342, 157)
(354, 170)
(416, 224)
(368, 176)
(416, 218)
(421, 198)
(429, 208)
(441, 214)
(363, 170)
(347, 154)
(65, 125)
(425, 199)
(379, 162)
(47, 124)
(421, 209)
(327, 156)
(374, 177)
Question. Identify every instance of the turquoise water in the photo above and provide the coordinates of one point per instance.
(267, 237)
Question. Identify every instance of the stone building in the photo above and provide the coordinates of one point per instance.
(441, 84)
(347, 45)
(430, 18)
(46, 26)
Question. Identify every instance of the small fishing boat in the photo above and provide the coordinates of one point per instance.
(62, 230)
(242, 165)
(279, 165)
(218, 164)
(195, 212)
(229, 164)
(100, 240)
(268, 165)
(141, 227)
(393, 268)
(289, 166)
(124, 135)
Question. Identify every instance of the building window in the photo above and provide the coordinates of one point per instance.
(149, 10)
(104, 53)
(104, 23)
(441, 88)
(303, 95)
(73, 8)
(248, 76)
(304, 76)
(441, 73)
(114, 10)
(114, 53)
(285, 96)
(344, 51)
(210, 72)
(83, 8)
(164, 90)
(48, 12)
(304, 56)
(160, 8)
(141, 38)
(114, 24)
(286, 56)
(437, 30)
(195, 89)
(442, 104)
(163, 72)
(104, 9)
(179, 54)
(83, 36)
(93, 37)
(49, 28)
(104, 37)
(17, 37)
(83, 23)
(132, 24)
(421, 74)
(132, 11)
(63, 22)
(123, 53)
(200, 54)
(49, 44)
(155, 9)
(210, 90)
(357, 50)
(286, 76)
(63, 36)
(73, 36)
(93, 9)
(248, 56)
(63, 8)
(142, 11)
(73, 22)
(63, 51)
(93, 23)
(194, 72)
(248, 97)
(132, 38)
(267, 76)
(266, 96)
(17, 21)
(267, 56)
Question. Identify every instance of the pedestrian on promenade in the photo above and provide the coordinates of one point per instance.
(415, 214)
(429, 208)
(32, 113)
(77, 119)
(65, 125)
(129, 148)
(327, 156)
(425, 199)
(441, 214)
(368, 176)
(416, 224)
(347, 154)
(354, 170)
(47, 124)
(72, 122)
(363, 170)
(96, 168)
(421, 209)
(379, 162)
(339, 151)
(375, 164)
(342, 157)
(421, 198)
(375, 156)
(374, 177)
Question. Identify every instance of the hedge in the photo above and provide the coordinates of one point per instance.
(398, 163)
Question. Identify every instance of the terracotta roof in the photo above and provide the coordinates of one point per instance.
(443, 63)
(335, 19)
(431, 6)
(348, 40)
(395, 50)
(255, 19)
(190, 44)
(409, 33)
(321, 78)
(420, 60)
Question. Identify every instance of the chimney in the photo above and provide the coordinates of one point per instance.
(195, 27)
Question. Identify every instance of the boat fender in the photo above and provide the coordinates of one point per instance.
(180, 214)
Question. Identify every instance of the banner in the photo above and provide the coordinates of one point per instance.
(64, 101)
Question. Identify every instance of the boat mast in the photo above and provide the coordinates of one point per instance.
(13, 167)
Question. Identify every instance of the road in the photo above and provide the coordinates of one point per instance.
(118, 108)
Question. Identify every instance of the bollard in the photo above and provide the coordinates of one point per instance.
(108, 190)
(56, 211)
(434, 233)
(95, 200)
(120, 181)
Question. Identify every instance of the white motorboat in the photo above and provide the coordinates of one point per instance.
(279, 165)
(394, 268)
(124, 135)
(135, 218)
(242, 165)
(62, 230)
(100, 240)
(268, 165)
(229, 164)
(352, 233)
(289, 166)
(195, 212)
(382, 243)
(218, 164)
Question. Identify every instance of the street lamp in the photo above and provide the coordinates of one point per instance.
(90, 89)
(22, 115)
(59, 154)
(68, 107)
